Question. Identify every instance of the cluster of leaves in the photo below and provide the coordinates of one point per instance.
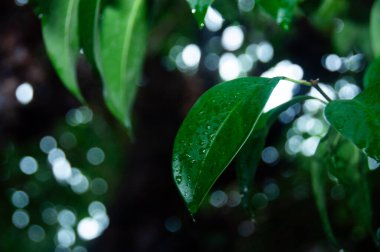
(227, 122)
(281, 10)
(114, 44)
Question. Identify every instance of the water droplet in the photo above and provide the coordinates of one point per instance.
(193, 11)
(178, 179)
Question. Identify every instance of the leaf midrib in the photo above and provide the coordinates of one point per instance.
(127, 41)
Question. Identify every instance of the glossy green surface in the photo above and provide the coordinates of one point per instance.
(375, 28)
(213, 132)
(372, 74)
(89, 13)
(358, 120)
(123, 37)
(281, 10)
(250, 154)
(60, 33)
(199, 9)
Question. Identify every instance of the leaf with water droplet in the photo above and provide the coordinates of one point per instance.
(238, 104)
(282, 10)
(249, 156)
(123, 36)
(60, 32)
(199, 9)
(358, 120)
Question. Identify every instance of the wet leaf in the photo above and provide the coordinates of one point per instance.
(60, 33)
(123, 39)
(372, 74)
(358, 120)
(89, 12)
(199, 9)
(281, 10)
(214, 131)
(375, 28)
(249, 156)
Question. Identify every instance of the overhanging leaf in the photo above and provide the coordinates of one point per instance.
(249, 156)
(123, 39)
(358, 120)
(199, 9)
(60, 33)
(281, 10)
(89, 12)
(375, 28)
(372, 74)
(214, 131)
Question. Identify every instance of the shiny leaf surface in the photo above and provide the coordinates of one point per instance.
(199, 9)
(281, 10)
(214, 131)
(358, 120)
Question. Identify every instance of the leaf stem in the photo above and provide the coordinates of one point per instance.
(311, 83)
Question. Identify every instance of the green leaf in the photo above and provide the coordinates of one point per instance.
(89, 13)
(199, 9)
(372, 74)
(123, 39)
(214, 131)
(249, 156)
(60, 33)
(358, 120)
(282, 10)
(350, 168)
(375, 28)
(319, 177)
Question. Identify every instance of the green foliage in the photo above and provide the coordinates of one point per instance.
(114, 44)
(375, 28)
(358, 120)
(249, 156)
(214, 131)
(281, 10)
(199, 9)
(89, 11)
(319, 180)
(123, 34)
(60, 32)
(372, 74)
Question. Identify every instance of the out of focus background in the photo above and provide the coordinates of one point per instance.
(71, 180)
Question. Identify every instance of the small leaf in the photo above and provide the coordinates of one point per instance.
(281, 10)
(358, 120)
(375, 28)
(249, 156)
(89, 12)
(214, 131)
(60, 33)
(372, 74)
(199, 9)
(123, 39)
